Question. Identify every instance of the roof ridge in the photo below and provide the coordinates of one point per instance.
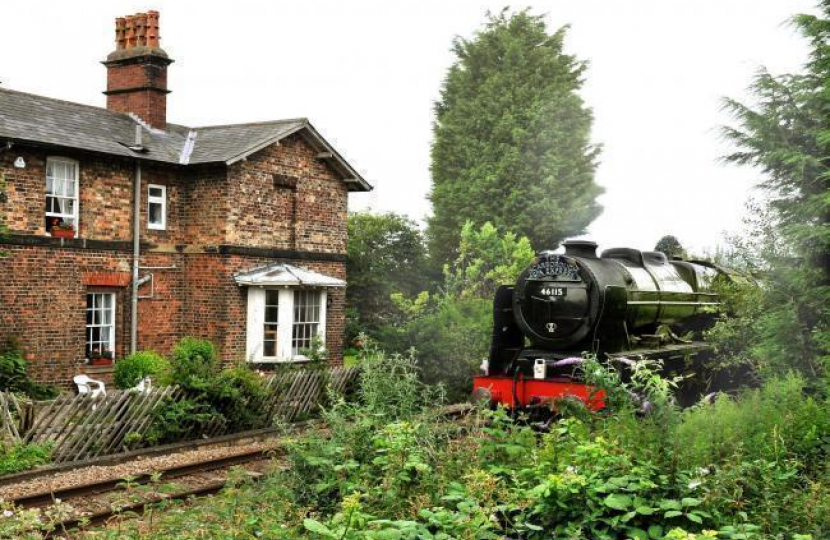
(263, 123)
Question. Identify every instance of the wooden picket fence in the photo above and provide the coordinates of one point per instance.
(79, 427)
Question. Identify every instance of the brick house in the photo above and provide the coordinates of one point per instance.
(127, 232)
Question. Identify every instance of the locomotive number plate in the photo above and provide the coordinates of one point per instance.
(554, 291)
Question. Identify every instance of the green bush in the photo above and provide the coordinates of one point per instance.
(131, 369)
(450, 339)
(175, 421)
(15, 378)
(22, 457)
(238, 394)
(194, 363)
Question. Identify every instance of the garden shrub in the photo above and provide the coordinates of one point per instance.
(22, 457)
(131, 369)
(238, 394)
(14, 376)
(194, 362)
(232, 396)
(451, 338)
(174, 421)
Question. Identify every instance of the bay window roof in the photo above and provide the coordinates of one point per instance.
(279, 275)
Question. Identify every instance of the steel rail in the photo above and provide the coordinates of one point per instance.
(47, 497)
(102, 517)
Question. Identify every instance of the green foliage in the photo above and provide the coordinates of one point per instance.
(786, 134)
(486, 259)
(232, 397)
(22, 457)
(194, 363)
(451, 337)
(512, 138)
(238, 394)
(451, 329)
(14, 376)
(670, 245)
(130, 370)
(386, 254)
(179, 420)
(777, 422)
(388, 468)
(781, 325)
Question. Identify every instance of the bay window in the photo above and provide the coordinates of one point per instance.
(286, 311)
(283, 322)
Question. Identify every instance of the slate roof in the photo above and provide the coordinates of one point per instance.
(53, 122)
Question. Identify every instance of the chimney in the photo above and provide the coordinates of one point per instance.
(137, 70)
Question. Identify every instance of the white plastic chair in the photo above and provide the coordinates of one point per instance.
(144, 386)
(89, 386)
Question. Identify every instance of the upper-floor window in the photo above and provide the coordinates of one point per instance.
(61, 194)
(156, 207)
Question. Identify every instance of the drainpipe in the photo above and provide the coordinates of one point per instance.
(136, 246)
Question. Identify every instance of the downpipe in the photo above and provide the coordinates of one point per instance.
(136, 256)
(136, 245)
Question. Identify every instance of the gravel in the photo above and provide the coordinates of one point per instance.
(139, 465)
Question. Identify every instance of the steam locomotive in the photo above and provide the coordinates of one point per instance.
(621, 304)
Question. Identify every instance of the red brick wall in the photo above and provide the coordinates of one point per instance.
(42, 291)
(137, 78)
(44, 305)
(105, 197)
(216, 307)
(261, 211)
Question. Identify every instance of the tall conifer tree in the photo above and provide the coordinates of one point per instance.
(512, 138)
(786, 134)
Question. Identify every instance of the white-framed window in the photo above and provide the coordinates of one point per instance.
(306, 319)
(156, 207)
(270, 337)
(61, 193)
(100, 323)
(283, 321)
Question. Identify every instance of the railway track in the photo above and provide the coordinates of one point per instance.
(49, 496)
(184, 474)
(138, 505)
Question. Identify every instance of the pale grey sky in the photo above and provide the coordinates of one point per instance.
(367, 73)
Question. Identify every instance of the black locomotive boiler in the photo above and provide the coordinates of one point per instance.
(622, 303)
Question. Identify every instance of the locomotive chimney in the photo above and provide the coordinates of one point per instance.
(581, 248)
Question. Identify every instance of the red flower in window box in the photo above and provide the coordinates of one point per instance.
(100, 358)
(62, 231)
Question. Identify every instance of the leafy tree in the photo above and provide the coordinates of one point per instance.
(786, 134)
(670, 245)
(386, 255)
(512, 138)
(486, 260)
(451, 329)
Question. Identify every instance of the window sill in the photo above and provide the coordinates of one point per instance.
(99, 370)
(295, 360)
